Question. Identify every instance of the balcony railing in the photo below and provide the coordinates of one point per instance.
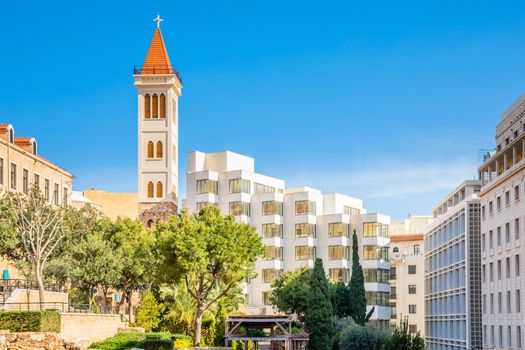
(156, 70)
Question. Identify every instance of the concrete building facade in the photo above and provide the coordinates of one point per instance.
(407, 272)
(502, 225)
(452, 272)
(297, 225)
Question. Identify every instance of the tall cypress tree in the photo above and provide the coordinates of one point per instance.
(319, 312)
(357, 287)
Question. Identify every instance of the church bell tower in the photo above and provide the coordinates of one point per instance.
(159, 88)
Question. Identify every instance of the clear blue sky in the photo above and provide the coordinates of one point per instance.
(387, 101)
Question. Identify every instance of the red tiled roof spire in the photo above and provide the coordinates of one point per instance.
(157, 60)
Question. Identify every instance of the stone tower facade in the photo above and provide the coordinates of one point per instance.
(159, 88)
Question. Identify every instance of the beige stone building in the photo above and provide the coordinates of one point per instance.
(407, 271)
(111, 204)
(21, 167)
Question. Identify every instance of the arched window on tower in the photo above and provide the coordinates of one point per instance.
(147, 106)
(162, 106)
(150, 190)
(149, 224)
(155, 106)
(160, 193)
(150, 149)
(159, 149)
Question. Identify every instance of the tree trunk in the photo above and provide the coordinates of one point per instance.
(40, 285)
(198, 326)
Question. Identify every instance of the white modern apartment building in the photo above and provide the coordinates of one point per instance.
(502, 225)
(407, 271)
(296, 224)
(452, 272)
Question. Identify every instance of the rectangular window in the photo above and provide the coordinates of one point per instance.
(304, 252)
(484, 304)
(260, 188)
(207, 186)
(501, 336)
(305, 230)
(377, 276)
(351, 211)
(517, 193)
(377, 298)
(36, 180)
(517, 263)
(491, 207)
(270, 275)
(498, 203)
(338, 229)
(393, 293)
(507, 232)
(1, 171)
(499, 270)
(483, 273)
(498, 236)
(507, 268)
(338, 252)
(372, 252)
(239, 186)
(64, 201)
(393, 275)
(375, 229)
(491, 239)
(483, 244)
(46, 189)
(517, 228)
(508, 302)
(338, 275)
(202, 205)
(266, 298)
(272, 230)
(55, 195)
(25, 181)
(411, 289)
(499, 303)
(507, 198)
(273, 253)
(518, 301)
(491, 271)
(305, 208)
(412, 328)
(491, 303)
(272, 208)
(239, 208)
(417, 249)
(411, 269)
(483, 212)
(411, 309)
(13, 176)
(509, 337)
(518, 335)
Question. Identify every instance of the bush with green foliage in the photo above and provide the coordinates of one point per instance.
(148, 341)
(402, 339)
(149, 312)
(357, 337)
(30, 321)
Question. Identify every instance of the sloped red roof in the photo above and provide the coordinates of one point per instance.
(157, 60)
(406, 238)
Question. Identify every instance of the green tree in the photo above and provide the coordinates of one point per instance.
(341, 299)
(402, 339)
(94, 264)
(149, 312)
(319, 309)
(218, 325)
(357, 287)
(133, 244)
(289, 293)
(206, 251)
(180, 307)
(33, 231)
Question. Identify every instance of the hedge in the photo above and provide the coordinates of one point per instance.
(156, 344)
(148, 341)
(30, 321)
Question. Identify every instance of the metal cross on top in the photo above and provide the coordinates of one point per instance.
(158, 20)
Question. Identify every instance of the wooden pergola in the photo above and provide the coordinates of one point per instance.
(273, 329)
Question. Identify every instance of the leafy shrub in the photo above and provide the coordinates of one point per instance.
(356, 337)
(148, 341)
(156, 344)
(182, 343)
(30, 321)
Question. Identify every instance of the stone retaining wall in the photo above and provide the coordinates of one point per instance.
(34, 340)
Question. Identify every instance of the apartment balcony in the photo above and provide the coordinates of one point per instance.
(376, 240)
(380, 312)
(275, 264)
(273, 242)
(376, 264)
